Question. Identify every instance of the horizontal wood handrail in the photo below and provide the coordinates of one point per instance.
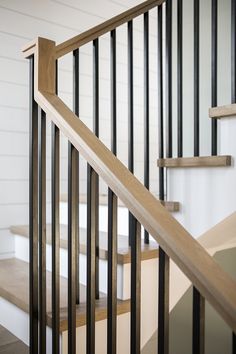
(206, 275)
(97, 31)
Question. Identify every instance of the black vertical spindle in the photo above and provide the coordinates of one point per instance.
(33, 213)
(233, 343)
(169, 78)
(135, 302)
(112, 219)
(72, 244)
(146, 109)
(198, 343)
(160, 99)
(163, 303)
(233, 51)
(73, 193)
(196, 78)
(180, 76)
(55, 237)
(130, 114)
(91, 260)
(214, 39)
(76, 111)
(163, 288)
(42, 232)
(96, 132)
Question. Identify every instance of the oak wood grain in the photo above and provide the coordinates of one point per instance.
(103, 200)
(201, 161)
(223, 111)
(149, 251)
(15, 289)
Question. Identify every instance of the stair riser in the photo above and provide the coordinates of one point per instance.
(122, 218)
(103, 217)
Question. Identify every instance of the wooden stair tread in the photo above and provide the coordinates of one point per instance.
(103, 200)
(148, 251)
(197, 161)
(223, 111)
(15, 289)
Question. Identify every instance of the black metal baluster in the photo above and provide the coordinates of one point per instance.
(146, 109)
(169, 78)
(233, 343)
(91, 259)
(233, 51)
(163, 303)
(42, 233)
(214, 39)
(160, 99)
(198, 343)
(72, 244)
(163, 289)
(214, 36)
(112, 220)
(196, 78)
(76, 111)
(135, 302)
(33, 213)
(55, 237)
(130, 114)
(96, 132)
(180, 76)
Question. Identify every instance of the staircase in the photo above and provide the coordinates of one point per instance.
(107, 271)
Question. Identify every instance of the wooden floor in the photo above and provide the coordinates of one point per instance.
(9, 344)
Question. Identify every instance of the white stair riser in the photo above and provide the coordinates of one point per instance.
(122, 218)
(103, 217)
(16, 321)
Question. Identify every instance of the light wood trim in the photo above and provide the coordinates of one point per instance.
(223, 111)
(202, 161)
(170, 206)
(206, 275)
(29, 48)
(107, 26)
(148, 251)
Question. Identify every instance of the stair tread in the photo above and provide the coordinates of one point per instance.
(15, 289)
(223, 111)
(171, 206)
(148, 251)
(196, 161)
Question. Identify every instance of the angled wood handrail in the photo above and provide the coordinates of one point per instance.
(206, 275)
(97, 31)
(215, 285)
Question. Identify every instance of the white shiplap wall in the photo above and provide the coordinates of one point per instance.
(21, 21)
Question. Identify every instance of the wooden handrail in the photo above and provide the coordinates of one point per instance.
(206, 275)
(97, 31)
(107, 26)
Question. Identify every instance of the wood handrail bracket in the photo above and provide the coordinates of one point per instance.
(205, 274)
